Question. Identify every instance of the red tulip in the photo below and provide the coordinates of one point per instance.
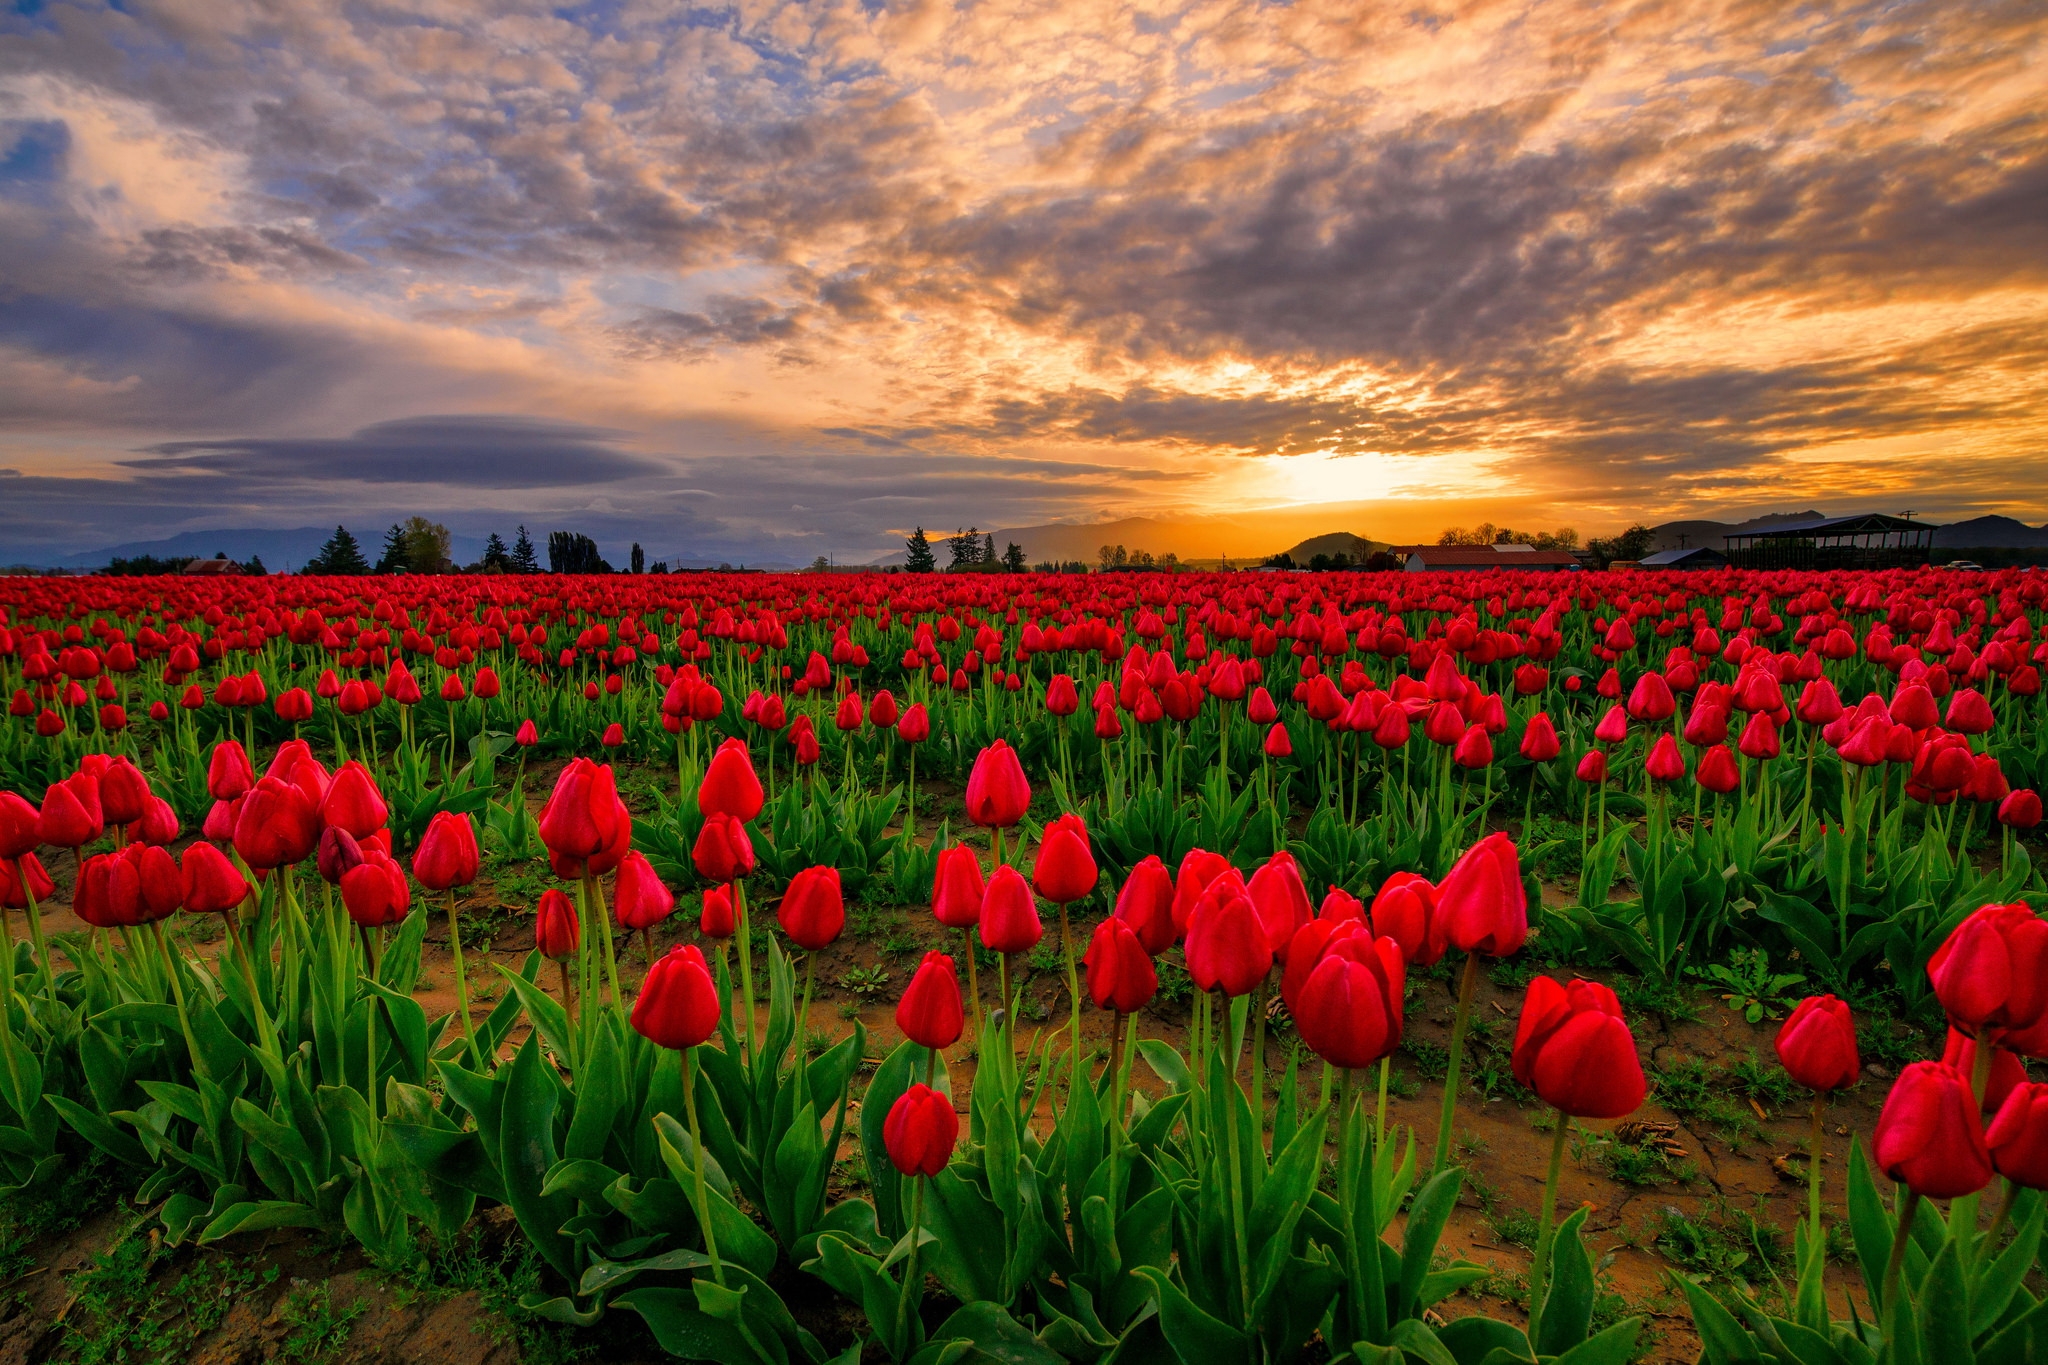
(353, 802)
(447, 856)
(1665, 763)
(678, 1006)
(124, 792)
(70, 816)
(2018, 1137)
(1718, 771)
(920, 1131)
(929, 1012)
(1405, 910)
(1198, 867)
(1009, 917)
(723, 852)
(812, 911)
(14, 872)
(997, 794)
(730, 786)
(1929, 1136)
(1281, 899)
(957, 888)
(639, 897)
(276, 825)
(1539, 739)
(229, 772)
(527, 735)
(2020, 810)
(375, 892)
(557, 930)
(1146, 904)
(2007, 1070)
(1992, 972)
(584, 824)
(1817, 1044)
(916, 725)
(1574, 1050)
(212, 885)
(1226, 945)
(17, 826)
(158, 825)
(718, 918)
(335, 854)
(1121, 976)
(1592, 767)
(1482, 903)
(1065, 870)
(1348, 1011)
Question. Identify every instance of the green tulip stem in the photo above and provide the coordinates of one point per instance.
(1234, 1172)
(911, 1280)
(973, 977)
(35, 931)
(1998, 1220)
(1813, 1176)
(1073, 995)
(1468, 983)
(1909, 1204)
(177, 996)
(476, 1055)
(1386, 1068)
(1540, 1271)
(739, 898)
(604, 928)
(704, 1219)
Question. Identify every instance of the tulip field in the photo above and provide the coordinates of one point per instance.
(1455, 969)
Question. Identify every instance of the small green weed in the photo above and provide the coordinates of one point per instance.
(318, 1330)
(1749, 986)
(864, 982)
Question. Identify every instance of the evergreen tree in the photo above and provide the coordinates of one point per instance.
(918, 556)
(639, 559)
(569, 552)
(340, 555)
(397, 556)
(254, 567)
(1013, 557)
(988, 548)
(965, 547)
(523, 558)
(496, 556)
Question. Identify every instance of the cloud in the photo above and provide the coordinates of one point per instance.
(1027, 253)
(459, 451)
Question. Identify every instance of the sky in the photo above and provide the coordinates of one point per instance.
(773, 280)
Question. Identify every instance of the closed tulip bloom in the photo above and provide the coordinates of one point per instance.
(1405, 910)
(812, 911)
(1065, 870)
(1929, 1136)
(1482, 902)
(639, 897)
(212, 884)
(916, 725)
(1574, 1050)
(17, 825)
(527, 735)
(1474, 750)
(730, 785)
(1593, 767)
(375, 892)
(276, 825)
(1198, 867)
(1539, 739)
(124, 792)
(1281, 898)
(1121, 976)
(2007, 1070)
(1913, 707)
(997, 794)
(1613, 727)
(557, 931)
(2018, 1136)
(920, 1132)
(2020, 810)
(1278, 743)
(1817, 1045)
(1718, 772)
(1348, 1012)
(92, 895)
(1665, 763)
(22, 877)
(957, 888)
(1226, 944)
(718, 918)
(1145, 904)
(1009, 916)
(353, 802)
(335, 854)
(1992, 972)
(1061, 696)
(229, 772)
(583, 824)
(929, 1012)
(723, 852)
(158, 825)
(678, 1006)
(1650, 699)
(70, 815)
(447, 855)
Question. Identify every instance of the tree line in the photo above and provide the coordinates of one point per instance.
(417, 545)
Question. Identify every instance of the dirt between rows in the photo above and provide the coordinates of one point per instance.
(1723, 1179)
